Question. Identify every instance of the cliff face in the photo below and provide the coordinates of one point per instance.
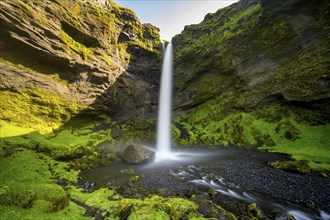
(253, 52)
(94, 53)
(256, 74)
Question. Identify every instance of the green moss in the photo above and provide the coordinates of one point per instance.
(40, 211)
(254, 211)
(156, 206)
(313, 146)
(28, 188)
(97, 199)
(65, 144)
(300, 166)
(24, 7)
(235, 129)
(136, 131)
(25, 178)
(275, 127)
(85, 52)
(31, 118)
(36, 108)
(9, 130)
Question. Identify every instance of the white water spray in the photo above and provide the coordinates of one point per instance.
(164, 139)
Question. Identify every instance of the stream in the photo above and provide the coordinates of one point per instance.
(234, 175)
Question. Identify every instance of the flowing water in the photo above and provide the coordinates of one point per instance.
(190, 167)
(164, 140)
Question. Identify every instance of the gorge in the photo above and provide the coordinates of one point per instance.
(80, 81)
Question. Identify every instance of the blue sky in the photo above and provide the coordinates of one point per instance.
(172, 15)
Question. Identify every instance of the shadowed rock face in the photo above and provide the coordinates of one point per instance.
(75, 49)
(255, 52)
(133, 154)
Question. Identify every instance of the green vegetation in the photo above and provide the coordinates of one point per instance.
(265, 89)
(268, 128)
(300, 166)
(36, 108)
(153, 207)
(81, 49)
(28, 188)
(254, 211)
(313, 145)
(47, 140)
(24, 7)
(137, 131)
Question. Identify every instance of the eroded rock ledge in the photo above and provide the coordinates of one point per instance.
(81, 44)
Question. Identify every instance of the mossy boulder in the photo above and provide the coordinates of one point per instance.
(134, 154)
(26, 182)
(297, 166)
(254, 211)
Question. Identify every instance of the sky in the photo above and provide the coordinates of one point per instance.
(170, 16)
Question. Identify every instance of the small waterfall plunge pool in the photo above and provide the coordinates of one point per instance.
(235, 176)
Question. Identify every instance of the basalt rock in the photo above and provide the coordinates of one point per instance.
(133, 154)
(81, 50)
(269, 59)
(254, 52)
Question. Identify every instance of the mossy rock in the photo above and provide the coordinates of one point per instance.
(42, 206)
(296, 166)
(254, 211)
(54, 194)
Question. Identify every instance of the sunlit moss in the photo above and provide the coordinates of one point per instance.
(275, 128)
(313, 145)
(25, 178)
(81, 49)
(36, 108)
(39, 212)
(24, 7)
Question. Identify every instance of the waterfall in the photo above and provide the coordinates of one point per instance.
(163, 46)
(164, 139)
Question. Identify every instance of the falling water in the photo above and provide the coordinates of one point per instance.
(165, 105)
(163, 46)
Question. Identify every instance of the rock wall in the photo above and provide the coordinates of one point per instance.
(254, 60)
(95, 53)
(253, 52)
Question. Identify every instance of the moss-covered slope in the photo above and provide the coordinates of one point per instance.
(62, 65)
(257, 74)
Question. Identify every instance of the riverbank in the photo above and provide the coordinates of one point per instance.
(246, 177)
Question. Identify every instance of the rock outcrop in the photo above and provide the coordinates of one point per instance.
(254, 60)
(133, 154)
(93, 52)
(253, 52)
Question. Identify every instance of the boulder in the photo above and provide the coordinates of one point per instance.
(136, 155)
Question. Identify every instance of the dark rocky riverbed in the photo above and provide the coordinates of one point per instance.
(235, 179)
(248, 171)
